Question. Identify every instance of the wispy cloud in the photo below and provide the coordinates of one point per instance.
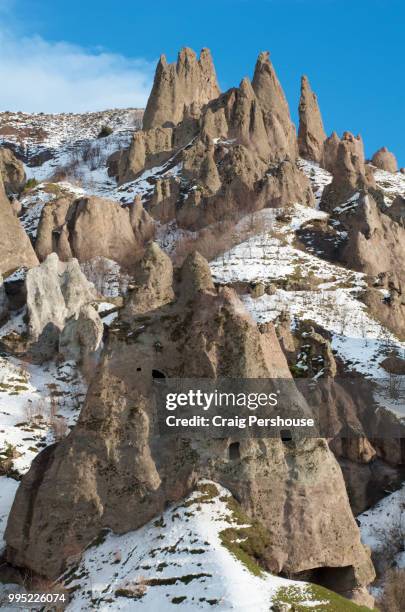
(37, 75)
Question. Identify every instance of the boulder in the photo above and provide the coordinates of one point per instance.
(12, 172)
(15, 247)
(82, 334)
(52, 235)
(311, 133)
(385, 160)
(177, 86)
(55, 291)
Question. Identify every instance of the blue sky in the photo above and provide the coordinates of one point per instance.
(84, 55)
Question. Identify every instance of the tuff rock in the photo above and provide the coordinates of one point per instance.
(385, 160)
(190, 81)
(311, 133)
(91, 227)
(12, 171)
(55, 292)
(120, 471)
(82, 334)
(11, 234)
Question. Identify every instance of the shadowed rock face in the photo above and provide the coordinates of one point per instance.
(385, 160)
(12, 171)
(178, 86)
(119, 472)
(311, 134)
(11, 235)
(91, 227)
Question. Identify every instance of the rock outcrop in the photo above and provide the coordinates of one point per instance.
(91, 227)
(178, 86)
(311, 133)
(55, 292)
(82, 335)
(15, 247)
(121, 472)
(280, 129)
(12, 172)
(153, 283)
(385, 160)
(349, 171)
(234, 154)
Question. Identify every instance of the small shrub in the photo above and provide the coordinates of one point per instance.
(30, 184)
(105, 131)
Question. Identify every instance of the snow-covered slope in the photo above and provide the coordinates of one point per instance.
(38, 405)
(198, 555)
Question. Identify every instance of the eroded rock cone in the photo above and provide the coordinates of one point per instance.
(311, 134)
(15, 247)
(330, 150)
(82, 335)
(385, 160)
(153, 280)
(12, 171)
(120, 472)
(279, 127)
(349, 172)
(178, 86)
(55, 291)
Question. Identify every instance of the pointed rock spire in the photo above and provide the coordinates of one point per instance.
(385, 160)
(279, 127)
(311, 133)
(177, 86)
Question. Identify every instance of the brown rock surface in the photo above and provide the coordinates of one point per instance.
(120, 472)
(90, 227)
(279, 127)
(385, 160)
(311, 134)
(177, 86)
(12, 171)
(15, 247)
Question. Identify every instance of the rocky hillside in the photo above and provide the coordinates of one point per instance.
(203, 239)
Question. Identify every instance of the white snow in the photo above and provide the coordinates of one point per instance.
(183, 546)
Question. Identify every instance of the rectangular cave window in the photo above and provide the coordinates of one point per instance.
(234, 451)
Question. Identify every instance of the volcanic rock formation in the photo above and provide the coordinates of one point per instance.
(12, 171)
(235, 154)
(12, 235)
(311, 134)
(178, 86)
(89, 227)
(55, 292)
(385, 160)
(120, 471)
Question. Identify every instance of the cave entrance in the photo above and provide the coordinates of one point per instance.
(158, 375)
(286, 435)
(234, 451)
